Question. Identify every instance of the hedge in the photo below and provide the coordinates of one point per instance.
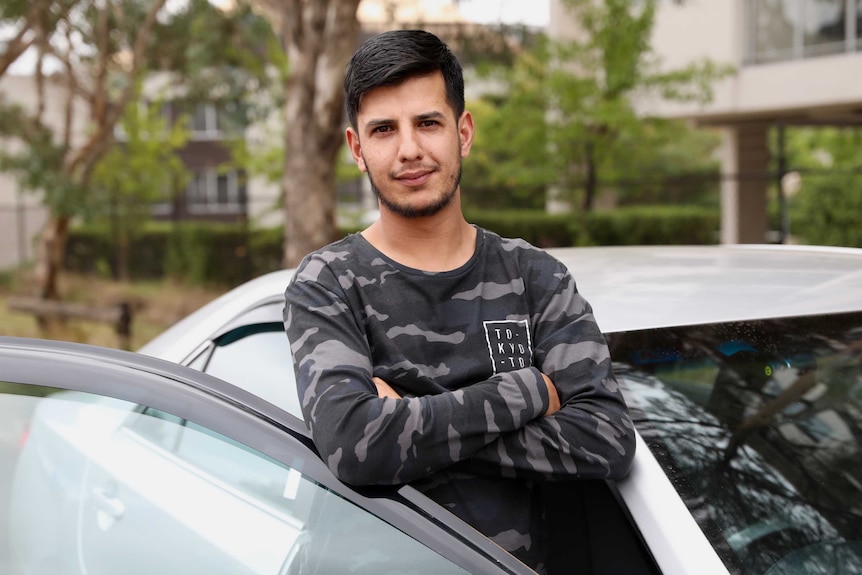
(228, 254)
(654, 225)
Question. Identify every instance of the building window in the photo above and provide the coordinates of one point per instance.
(825, 27)
(205, 122)
(212, 191)
(774, 22)
(782, 30)
(214, 122)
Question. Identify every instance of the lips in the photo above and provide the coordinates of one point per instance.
(415, 177)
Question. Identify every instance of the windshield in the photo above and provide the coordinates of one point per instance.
(758, 426)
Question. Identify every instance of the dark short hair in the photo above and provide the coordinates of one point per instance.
(390, 58)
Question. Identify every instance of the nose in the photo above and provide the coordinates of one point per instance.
(409, 149)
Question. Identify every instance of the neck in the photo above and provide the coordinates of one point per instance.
(442, 242)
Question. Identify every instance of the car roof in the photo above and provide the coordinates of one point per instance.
(641, 287)
(629, 288)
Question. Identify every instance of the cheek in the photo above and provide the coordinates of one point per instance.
(374, 159)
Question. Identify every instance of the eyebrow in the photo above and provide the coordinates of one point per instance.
(373, 123)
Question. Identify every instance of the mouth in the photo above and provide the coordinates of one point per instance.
(414, 178)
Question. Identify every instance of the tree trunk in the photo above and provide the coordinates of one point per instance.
(319, 38)
(52, 248)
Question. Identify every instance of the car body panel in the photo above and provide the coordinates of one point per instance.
(655, 504)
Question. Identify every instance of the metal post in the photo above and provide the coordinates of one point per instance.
(784, 231)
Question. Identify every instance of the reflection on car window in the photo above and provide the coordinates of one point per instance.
(159, 427)
(94, 484)
(257, 358)
(758, 425)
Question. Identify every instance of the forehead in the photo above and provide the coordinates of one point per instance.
(416, 95)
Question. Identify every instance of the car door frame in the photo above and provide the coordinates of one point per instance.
(235, 413)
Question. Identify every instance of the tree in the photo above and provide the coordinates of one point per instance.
(99, 49)
(132, 176)
(564, 118)
(593, 88)
(509, 165)
(318, 37)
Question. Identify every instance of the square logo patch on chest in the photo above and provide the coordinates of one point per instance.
(509, 344)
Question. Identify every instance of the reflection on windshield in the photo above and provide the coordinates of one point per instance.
(758, 425)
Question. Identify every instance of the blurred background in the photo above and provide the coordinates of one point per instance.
(154, 153)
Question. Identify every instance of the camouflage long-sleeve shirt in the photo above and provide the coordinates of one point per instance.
(465, 349)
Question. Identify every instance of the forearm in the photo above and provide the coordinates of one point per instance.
(366, 439)
(569, 444)
(592, 435)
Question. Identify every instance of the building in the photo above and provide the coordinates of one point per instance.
(798, 62)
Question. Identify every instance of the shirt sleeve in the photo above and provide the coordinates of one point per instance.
(592, 435)
(365, 439)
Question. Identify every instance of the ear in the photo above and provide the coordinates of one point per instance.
(355, 148)
(466, 131)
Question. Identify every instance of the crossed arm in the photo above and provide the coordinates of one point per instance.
(561, 418)
(384, 390)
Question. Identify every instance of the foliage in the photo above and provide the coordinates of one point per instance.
(654, 225)
(142, 170)
(199, 253)
(509, 166)
(98, 55)
(666, 161)
(535, 226)
(566, 117)
(232, 60)
(599, 133)
(38, 160)
(827, 210)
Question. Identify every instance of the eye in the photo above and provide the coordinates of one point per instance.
(428, 123)
(381, 129)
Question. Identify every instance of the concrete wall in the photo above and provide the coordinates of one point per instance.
(809, 88)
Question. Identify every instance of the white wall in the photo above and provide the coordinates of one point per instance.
(714, 28)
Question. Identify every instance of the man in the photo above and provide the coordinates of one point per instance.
(430, 351)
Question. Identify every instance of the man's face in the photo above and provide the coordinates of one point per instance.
(409, 142)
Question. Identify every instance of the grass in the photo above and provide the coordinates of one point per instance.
(156, 305)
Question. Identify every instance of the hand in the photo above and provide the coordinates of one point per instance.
(385, 390)
(553, 396)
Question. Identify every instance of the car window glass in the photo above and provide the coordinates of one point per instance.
(257, 358)
(758, 425)
(92, 483)
(160, 428)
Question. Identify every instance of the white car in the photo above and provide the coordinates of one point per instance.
(742, 366)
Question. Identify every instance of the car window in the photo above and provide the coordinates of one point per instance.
(249, 472)
(256, 358)
(108, 487)
(758, 426)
